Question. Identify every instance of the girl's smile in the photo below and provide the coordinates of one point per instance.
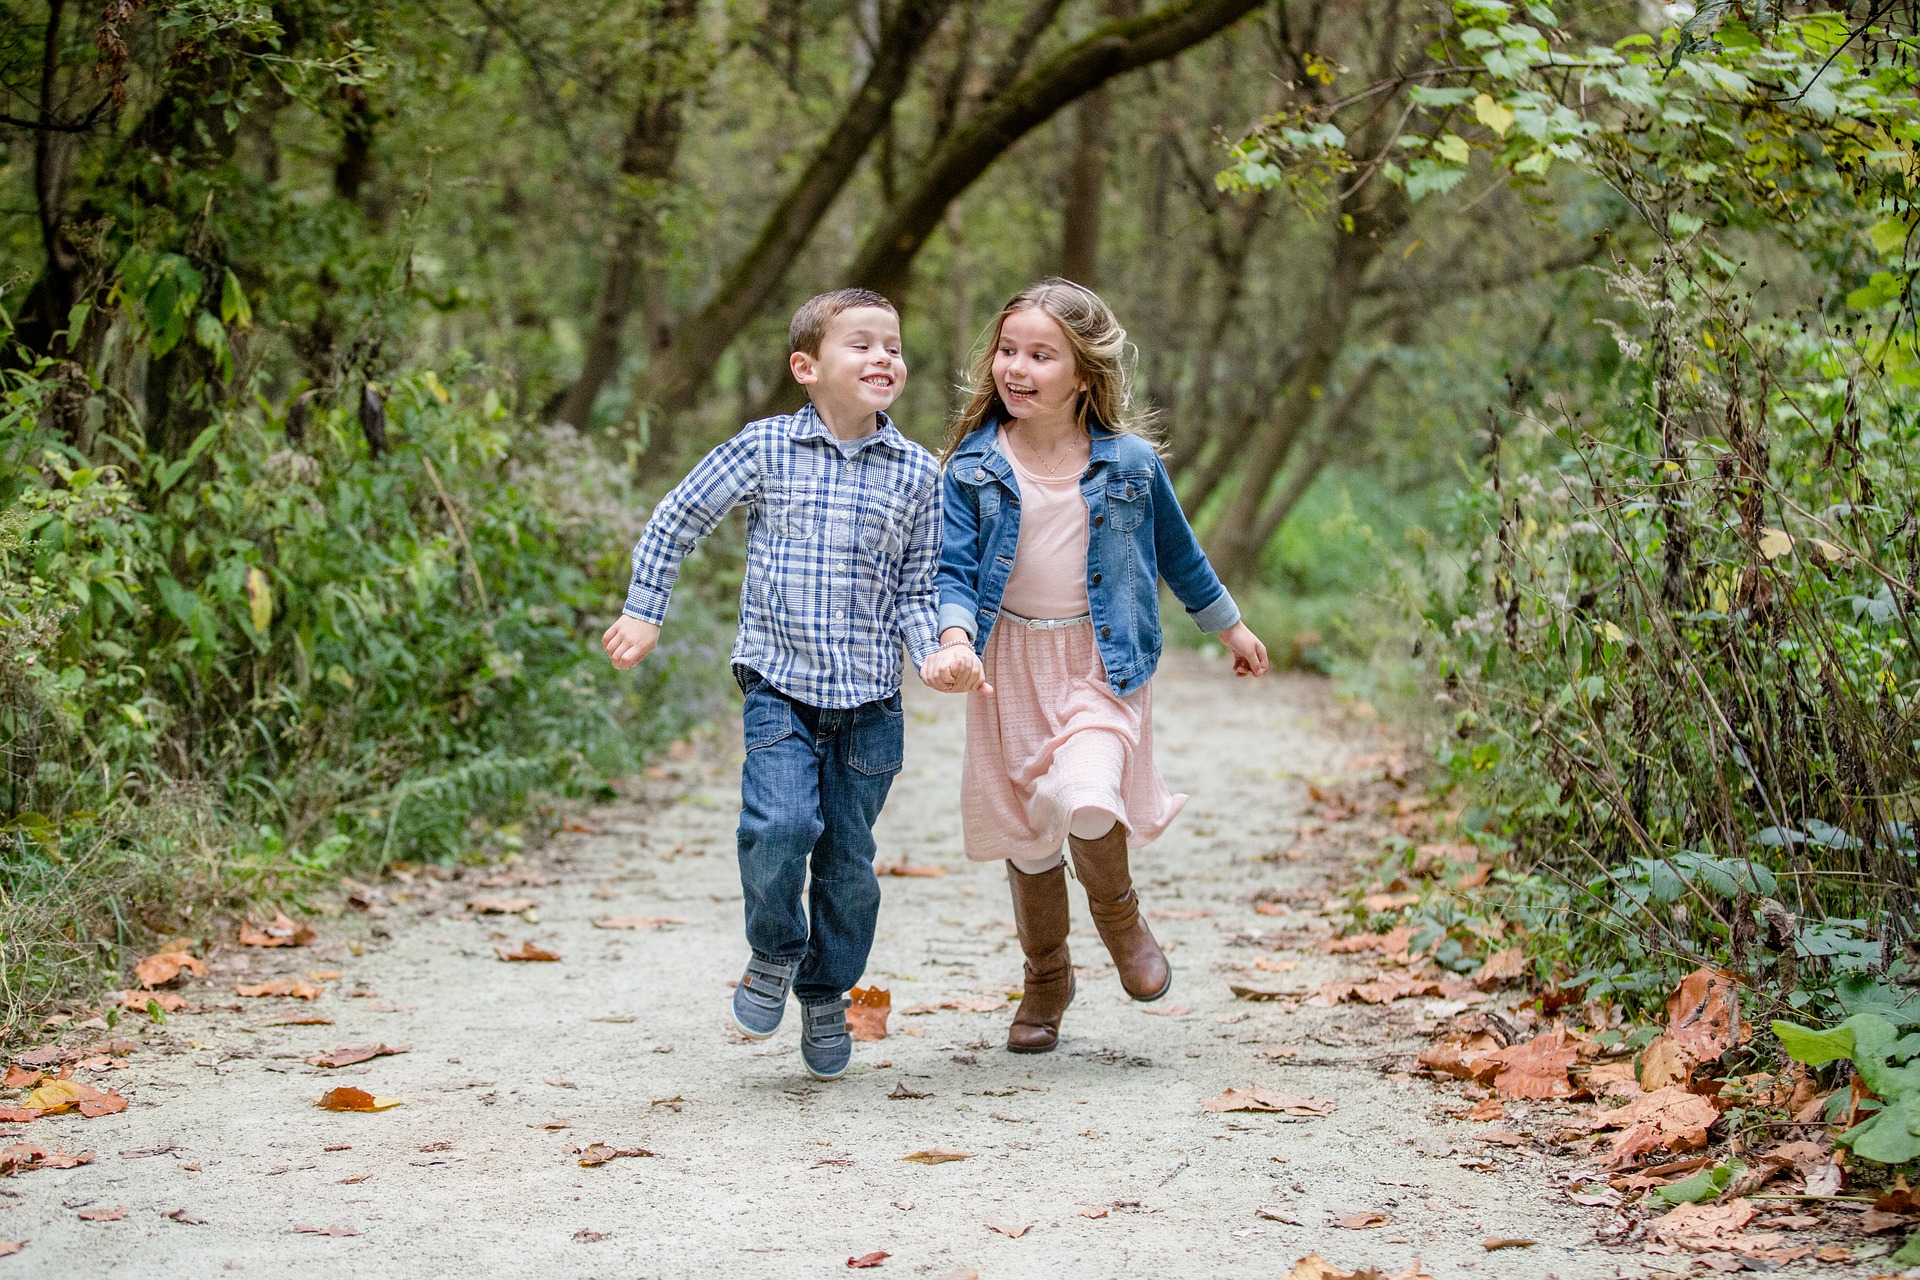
(1033, 367)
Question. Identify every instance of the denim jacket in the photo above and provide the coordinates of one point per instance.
(1137, 534)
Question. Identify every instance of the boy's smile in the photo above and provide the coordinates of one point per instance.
(860, 370)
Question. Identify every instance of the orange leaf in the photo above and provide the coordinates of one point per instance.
(279, 932)
(17, 1115)
(350, 1054)
(19, 1077)
(911, 869)
(598, 1153)
(938, 1155)
(293, 988)
(866, 1260)
(347, 1098)
(165, 966)
(636, 922)
(1366, 1220)
(867, 1015)
(1703, 1015)
(1665, 1063)
(103, 1103)
(1535, 1069)
(527, 951)
(500, 906)
(1011, 1230)
(1502, 966)
(115, 1214)
(137, 1001)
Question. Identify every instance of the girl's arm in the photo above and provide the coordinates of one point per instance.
(1183, 564)
(959, 577)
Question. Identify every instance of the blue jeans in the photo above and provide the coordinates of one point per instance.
(810, 792)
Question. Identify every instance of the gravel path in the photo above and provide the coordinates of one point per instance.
(758, 1171)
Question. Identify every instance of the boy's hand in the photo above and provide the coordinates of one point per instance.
(955, 669)
(629, 640)
(1249, 655)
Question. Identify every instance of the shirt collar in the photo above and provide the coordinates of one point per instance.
(807, 425)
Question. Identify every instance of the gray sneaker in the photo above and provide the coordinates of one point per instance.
(761, 998)
(825, 1046)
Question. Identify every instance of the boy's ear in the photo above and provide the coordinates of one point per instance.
(805, 370)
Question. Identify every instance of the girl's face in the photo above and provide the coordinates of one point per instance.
(1033, 367)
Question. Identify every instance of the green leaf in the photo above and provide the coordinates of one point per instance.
(235, 310)
(1703, 1185)
(1425, 177)
(1815, 1048)
(1452, 146)
(1889, 1136)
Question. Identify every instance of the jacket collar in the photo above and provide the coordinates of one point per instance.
(978, 450)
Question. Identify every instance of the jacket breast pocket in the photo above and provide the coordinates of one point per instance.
(1127, 502)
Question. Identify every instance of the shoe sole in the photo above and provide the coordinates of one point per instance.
(1166, 987)
(1035, 1048)
(822, 1075)
(1073, 989)
(745, 1030)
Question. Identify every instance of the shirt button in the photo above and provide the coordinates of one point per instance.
(1096, 579)
(840, 615)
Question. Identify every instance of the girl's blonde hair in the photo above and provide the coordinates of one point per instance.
(1099, 355)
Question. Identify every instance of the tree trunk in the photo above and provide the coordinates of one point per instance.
(1086, 190)
(1319, 449)
(56, 291)
(674, 384)
(885, 259)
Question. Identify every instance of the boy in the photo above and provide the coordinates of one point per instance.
(843, 540)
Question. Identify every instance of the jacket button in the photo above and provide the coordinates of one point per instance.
(1106, 633)
(1096, 579)
(1129, 494)
(1099, 519)
(1123, 684)
(979, 475)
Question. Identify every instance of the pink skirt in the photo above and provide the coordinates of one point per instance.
(1052, 739)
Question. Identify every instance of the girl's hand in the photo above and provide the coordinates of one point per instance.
(1249, 655)
(955, 669)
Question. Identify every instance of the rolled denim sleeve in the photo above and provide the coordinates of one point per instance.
(1183, 564)
(722, 481)
(959, 578)
(919, 592)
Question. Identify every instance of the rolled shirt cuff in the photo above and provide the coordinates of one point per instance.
(958, 615)
(1218, 616)
(646, 603)
(924, 649)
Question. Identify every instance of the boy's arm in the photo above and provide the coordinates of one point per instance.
(919, 597)
(721, 481)
(1183, 564)
(959, 579)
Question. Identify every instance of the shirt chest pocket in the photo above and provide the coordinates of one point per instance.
(791, 517)
(1127, 502)
(883, 527)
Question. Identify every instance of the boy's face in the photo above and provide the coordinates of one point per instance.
(859, 369)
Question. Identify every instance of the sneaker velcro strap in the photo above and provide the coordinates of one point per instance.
(776, 977)
(828, 1019)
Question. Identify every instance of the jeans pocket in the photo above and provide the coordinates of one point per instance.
(879, 742)
(767, 717)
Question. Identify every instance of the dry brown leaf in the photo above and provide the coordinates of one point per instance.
(166, 966)
(636, 922)
(19, 1077)
(279, 932)
(1536, 1068)
(1459, 1056)
(1011, 1230)
(1365, 1220)
(1671, 1118)
(1703, 1015)
(292, 988)
(1260, 1098)
(1493, 1244)
(1502, 966)
(598, 1153)
(867, 1014)
(866, 1260)
(1245, 992)
(23, 1156)
(56, 1096)
(1485, 1109)
(1274, 964)
(347, 1098)
(527, 951)
(105, 1102)
(964, 1004)
(297, 1020)
(900, 1090)
(17, 1115)
(10, 1247)
(117, 1213)
(1171, 1011)
(500, 906)
(938, 1155)
(1378, 902)
(347, 1055)
(911, 870)
(334, 1230)
(1606, 1078)
(1093, 1210)
(1702, 1227)
(1355, 943)
(137, 1001)
(1315, 1267)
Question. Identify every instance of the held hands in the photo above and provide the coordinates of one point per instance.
(629, 640)
(956, 667)
(1249, 655)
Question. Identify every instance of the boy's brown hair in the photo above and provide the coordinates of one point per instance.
(809, 327)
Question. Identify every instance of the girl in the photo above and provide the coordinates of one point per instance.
(1060, 522)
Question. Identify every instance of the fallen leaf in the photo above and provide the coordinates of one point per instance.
(10, 1247)
(137, 1001)
(19, 1077)
(1874, 1222)
(186, 1219)
(292, 988)
(1011, 1230)
(1703, 1014)
(347, 1055)
(1502, 966)
(17, 1115)
(1182, 913)
(1536, 1068)
(1485, 1109)
(279, 932)
(552, 1124)
(867, 1015)
(298, 1020)
(910, 869)
(1703, 1227)
(1366, 1220)
(106, 1102)
(1378, 902)
(1281, 1051)
(24, 1156)
(165, 966)
(900, 1090)
(1093, 1211)
(1171, 1011)
(1494, 1243)
(356, 1179)
(866, 1260)
(959, 1273)
(1315, 1267)
(598, 1153)
(1274, 964)
(636, 922)
(326, 1231)
(500, 906)
(56, 1096)
(1276, 1215)
(348, 1098)
(526, 951)
(1258, 993)
(1672, 1118)
(964, 1004)
(115, 1214)
(938, 1155)
(1259, 1098)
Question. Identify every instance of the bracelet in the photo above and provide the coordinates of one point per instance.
(955, 644)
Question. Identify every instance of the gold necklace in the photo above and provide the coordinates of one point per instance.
(1052, 469)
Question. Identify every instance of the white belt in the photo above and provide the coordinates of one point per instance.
(1046, 624)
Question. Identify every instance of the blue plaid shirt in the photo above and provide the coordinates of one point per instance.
(843, 541)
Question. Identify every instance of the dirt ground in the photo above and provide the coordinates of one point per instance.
(755, 1169)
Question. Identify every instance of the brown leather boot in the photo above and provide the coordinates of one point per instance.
(1102, 867)
(1040, 913)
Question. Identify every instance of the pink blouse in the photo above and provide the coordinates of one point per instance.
(1049, 578)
